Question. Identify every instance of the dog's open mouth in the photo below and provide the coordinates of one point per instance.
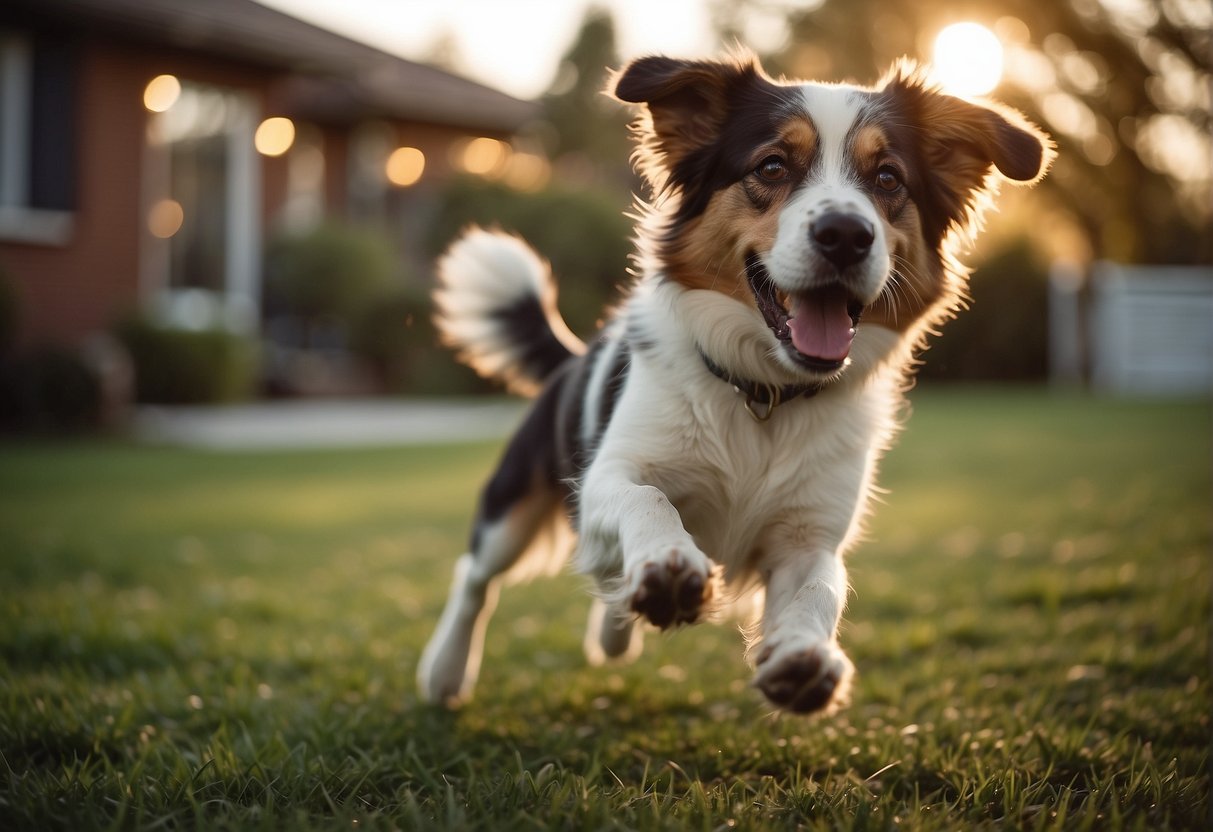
(815, 327)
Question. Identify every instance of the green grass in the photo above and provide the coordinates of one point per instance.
(228, 641)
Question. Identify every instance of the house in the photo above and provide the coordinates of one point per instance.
(148, 148)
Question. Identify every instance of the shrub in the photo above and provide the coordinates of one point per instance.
(8, 312)
(1004, 335)
(395, 336)
(177, 366)
(389, 333)
(328, 272)
(49, 389)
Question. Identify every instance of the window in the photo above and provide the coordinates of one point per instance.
(37, 138)
(201, 208)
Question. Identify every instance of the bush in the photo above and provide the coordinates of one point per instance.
(177, 366)
(329, 272)
(395, 336)
(8, 312)
(1004, 335)
(583, 233)
(50, 389)
(390, 333)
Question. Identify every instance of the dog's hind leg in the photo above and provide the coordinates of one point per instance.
(611, 634)
(450, 662)
(517, 503)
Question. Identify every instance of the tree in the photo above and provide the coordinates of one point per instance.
(587, 126)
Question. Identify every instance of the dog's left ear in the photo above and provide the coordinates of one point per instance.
(963, 142)
(686, 102)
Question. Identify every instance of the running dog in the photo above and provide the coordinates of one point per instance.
(718, 439)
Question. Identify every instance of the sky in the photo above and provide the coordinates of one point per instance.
(513, 45)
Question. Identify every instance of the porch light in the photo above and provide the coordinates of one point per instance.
(527, 172)
(161, 93)
(274, 136)
(484, 156)
(405, 166)
(165, 218)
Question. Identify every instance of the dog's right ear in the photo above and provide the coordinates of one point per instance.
(686, 102)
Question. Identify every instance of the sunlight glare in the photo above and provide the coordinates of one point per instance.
(968, 59)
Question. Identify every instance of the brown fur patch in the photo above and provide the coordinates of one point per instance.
(870, 142)
(799, 138)
(918, 281)
(710, 252)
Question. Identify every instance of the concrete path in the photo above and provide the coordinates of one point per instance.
(287, 425)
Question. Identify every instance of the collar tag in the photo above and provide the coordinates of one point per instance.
(761, 398)
(773, 401)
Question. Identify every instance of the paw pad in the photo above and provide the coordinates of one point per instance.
(803, 681)
(671, 593)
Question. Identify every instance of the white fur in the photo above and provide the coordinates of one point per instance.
(450, 663)
(684, 466)
(486, 272)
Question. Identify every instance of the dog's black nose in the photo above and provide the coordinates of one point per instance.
(843, 239)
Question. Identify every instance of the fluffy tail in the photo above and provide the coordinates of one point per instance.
(496, 307)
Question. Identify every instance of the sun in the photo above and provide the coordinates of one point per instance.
(968, 59)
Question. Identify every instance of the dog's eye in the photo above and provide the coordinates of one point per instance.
(772, 169)
(887, 179)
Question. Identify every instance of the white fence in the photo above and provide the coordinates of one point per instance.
(1139, 330)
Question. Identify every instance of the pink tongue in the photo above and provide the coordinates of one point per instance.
(821, 327)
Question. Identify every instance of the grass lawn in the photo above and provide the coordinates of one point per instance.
(228, 641)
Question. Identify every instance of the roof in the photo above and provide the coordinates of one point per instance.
(333, 77)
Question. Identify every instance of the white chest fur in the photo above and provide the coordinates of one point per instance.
(740, 486)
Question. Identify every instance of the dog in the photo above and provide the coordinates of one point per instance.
(718, 439)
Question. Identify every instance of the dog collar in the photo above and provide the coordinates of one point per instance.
(761, 399)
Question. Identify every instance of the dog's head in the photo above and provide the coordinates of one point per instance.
(817, 205)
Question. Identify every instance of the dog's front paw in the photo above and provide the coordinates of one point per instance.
(804, 679)
(672, 588)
